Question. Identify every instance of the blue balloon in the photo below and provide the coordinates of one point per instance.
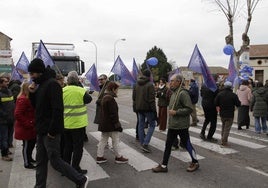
(152, 61)
(228, 49)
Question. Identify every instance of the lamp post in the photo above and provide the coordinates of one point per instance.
(96, 56)
(115, 45)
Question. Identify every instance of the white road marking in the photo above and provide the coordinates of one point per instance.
(160, 144)
(136, 159)
(21, 177)
(210, 146)
(233, 140)
(257, 171)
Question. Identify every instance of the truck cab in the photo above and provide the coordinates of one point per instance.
(64, 57)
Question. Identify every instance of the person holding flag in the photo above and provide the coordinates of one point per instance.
(179, 110)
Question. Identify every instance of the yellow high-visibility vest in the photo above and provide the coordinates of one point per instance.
(75, 111)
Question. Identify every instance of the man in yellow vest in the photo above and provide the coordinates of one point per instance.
(75, 99)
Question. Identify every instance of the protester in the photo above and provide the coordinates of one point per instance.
(259, 107)
(103, 82)
(163, 94)
(75, 99)
(225, 102)
(144, 100)
(180, 108)
(244, 94)
(194, 94)
(7, 107)
(110, 125)
(210, 113)
(46, 96)
(60, 80)
(25, 125)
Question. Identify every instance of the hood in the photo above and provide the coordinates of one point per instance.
(261, 91)
(142, 80)
(243, 87)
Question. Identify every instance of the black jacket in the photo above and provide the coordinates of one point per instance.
(208, 97)
(48, 103)
(227, 100)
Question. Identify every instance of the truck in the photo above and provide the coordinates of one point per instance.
(64, 57)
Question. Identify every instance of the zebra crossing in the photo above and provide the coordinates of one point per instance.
(21, 177)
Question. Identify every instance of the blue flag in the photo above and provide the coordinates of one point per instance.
(23, 63)
(121, 70)
(232, 71)
(135, 70)
(15, 75)
(92, 77)
(198, 64)
(42, 53)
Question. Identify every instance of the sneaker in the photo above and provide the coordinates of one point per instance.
(146, 148)
(32, 160)
(7, 158)
(213, 140)
(84, 185)
(82, 171)
(193, 167)
(101, 160)
(30, 166)
(202, 136)
(159, 168)
(224, 145)
(121, 160)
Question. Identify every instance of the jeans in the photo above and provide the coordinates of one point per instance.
(49, 149)
(4, 140)
(150, 118)
(185, 141)
(258, 122)
(73, 146)
(10, 134)
(27, 150)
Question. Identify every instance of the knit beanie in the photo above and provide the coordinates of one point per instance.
(37, 66)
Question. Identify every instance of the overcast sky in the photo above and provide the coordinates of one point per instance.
(175, 26)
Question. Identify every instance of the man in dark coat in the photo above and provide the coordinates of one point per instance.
(46, 97)
(210, 113)
(144, 101)
(225, 102)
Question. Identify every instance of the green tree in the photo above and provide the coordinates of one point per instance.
(162, 68)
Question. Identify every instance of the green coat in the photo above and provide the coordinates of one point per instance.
(182, 103)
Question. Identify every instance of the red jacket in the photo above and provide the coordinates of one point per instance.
(24, 119)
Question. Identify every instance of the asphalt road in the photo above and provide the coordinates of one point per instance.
(243, 165)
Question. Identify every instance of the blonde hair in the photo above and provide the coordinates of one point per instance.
(24, 90)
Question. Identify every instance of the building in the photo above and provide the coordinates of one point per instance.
(258, 59)
(214, 70)
(5, 54)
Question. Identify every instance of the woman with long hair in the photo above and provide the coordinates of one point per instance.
(25, 125)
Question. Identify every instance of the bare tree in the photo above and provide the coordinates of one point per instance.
(232, 9)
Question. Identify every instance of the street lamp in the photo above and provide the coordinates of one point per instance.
(96, 60)
(115, 45)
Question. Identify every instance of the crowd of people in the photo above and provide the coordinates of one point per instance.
(51, 115)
